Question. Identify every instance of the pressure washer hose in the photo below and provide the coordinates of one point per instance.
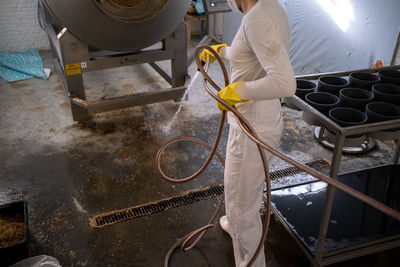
(249, 131)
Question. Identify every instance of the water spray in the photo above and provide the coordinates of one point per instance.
(191, 84)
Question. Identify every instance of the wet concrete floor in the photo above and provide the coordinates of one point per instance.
(69, 172)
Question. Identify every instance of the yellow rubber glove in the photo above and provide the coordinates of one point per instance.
(203, 55)
(191, 10)
(229, 95)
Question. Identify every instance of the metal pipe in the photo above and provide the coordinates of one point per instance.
(345, 73)
(330, 193)
(395, 51)
(126, 101)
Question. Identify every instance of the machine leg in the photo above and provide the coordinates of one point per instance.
(330, 192)
(73, 53)
(177, 42)
(76, 88)
(397, 152)
(321, 134)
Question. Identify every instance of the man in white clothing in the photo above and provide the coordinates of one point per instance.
(261, 73)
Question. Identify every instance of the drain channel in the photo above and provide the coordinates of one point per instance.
(290, 171)
(113, 217)
(147, 209)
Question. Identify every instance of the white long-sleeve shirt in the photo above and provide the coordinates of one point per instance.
(259, 57)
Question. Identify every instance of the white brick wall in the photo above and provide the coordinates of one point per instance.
(19, 28)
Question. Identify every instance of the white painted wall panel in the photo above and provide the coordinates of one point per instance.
(319, 44)
(19, 28)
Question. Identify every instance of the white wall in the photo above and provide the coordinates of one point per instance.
(19, 28)
(230, 26)
(319, 45)
(397, 61)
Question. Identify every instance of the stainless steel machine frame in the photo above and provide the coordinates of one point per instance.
(73, 58)
(211, 7)
(322, 258)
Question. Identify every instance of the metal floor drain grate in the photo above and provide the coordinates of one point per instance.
(147, 209)
(316, 164)
(113, 217)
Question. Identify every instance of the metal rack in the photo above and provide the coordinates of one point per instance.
(375, 130)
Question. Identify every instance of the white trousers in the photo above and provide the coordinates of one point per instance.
(244, 183)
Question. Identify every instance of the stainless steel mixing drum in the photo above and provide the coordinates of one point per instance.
(118, 25)
(90, 35)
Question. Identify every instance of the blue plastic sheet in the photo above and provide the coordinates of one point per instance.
(21, 66)
(198, 5)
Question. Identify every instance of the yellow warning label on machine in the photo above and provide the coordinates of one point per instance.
(72, 69)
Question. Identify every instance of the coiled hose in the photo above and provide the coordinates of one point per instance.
(249, 131)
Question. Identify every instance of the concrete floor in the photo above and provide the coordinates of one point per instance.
(68, 172)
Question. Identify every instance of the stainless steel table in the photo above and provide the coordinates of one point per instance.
(375, 130)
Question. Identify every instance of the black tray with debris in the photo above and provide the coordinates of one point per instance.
(13, 232)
